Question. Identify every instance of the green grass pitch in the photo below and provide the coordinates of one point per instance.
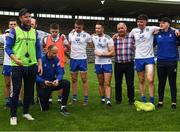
(95, 116)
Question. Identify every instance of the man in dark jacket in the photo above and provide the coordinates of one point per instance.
(51, 80)
(167, 57)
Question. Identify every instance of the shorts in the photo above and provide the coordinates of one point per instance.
(103, 68)
(6, 70)
(141, 63)
(78, 65)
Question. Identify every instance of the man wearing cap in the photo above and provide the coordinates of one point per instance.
(167, 56)
(23, 46)
(7, 62)
(144, 54)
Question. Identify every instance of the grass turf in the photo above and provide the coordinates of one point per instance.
(95, 116)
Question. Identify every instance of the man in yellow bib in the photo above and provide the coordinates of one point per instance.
(23, 47)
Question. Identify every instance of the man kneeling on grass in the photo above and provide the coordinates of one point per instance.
(51, 80)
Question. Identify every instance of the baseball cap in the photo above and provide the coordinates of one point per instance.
(23, 11)
(165, 19)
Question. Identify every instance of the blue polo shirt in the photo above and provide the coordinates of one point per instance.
(51, 70)
(167, 45)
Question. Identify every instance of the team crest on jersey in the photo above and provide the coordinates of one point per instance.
(100, 45)
(84, 35)
(147, 29)
(104, 40)
(45, 65)
(170, 35)
(142, 38)
(53, 65)
(77, 40)
(78, 35)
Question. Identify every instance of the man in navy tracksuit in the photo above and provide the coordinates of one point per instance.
(51, 80)
(167, 57)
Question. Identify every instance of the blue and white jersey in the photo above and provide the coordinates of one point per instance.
(41, 35)
(102, 44)
(79, 43)
(7, 59)
(144, 42)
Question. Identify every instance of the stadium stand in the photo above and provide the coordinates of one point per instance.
(111, 12)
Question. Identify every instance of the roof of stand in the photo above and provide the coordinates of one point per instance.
(127, 8)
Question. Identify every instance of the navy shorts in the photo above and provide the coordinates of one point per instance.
(141, 63)
(103, 68)
(78, 65)
(6, 70)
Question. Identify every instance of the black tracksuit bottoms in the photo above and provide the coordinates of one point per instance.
(28, 75)
(167, 70)
(44, 92)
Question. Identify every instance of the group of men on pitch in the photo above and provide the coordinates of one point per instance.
(25, 61)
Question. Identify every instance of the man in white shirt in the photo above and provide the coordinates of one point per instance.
(104, 50)
(144, 55)
(79, 39)
(7, 62)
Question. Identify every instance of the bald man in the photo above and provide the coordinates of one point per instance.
(52, 80)
(124, 62)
